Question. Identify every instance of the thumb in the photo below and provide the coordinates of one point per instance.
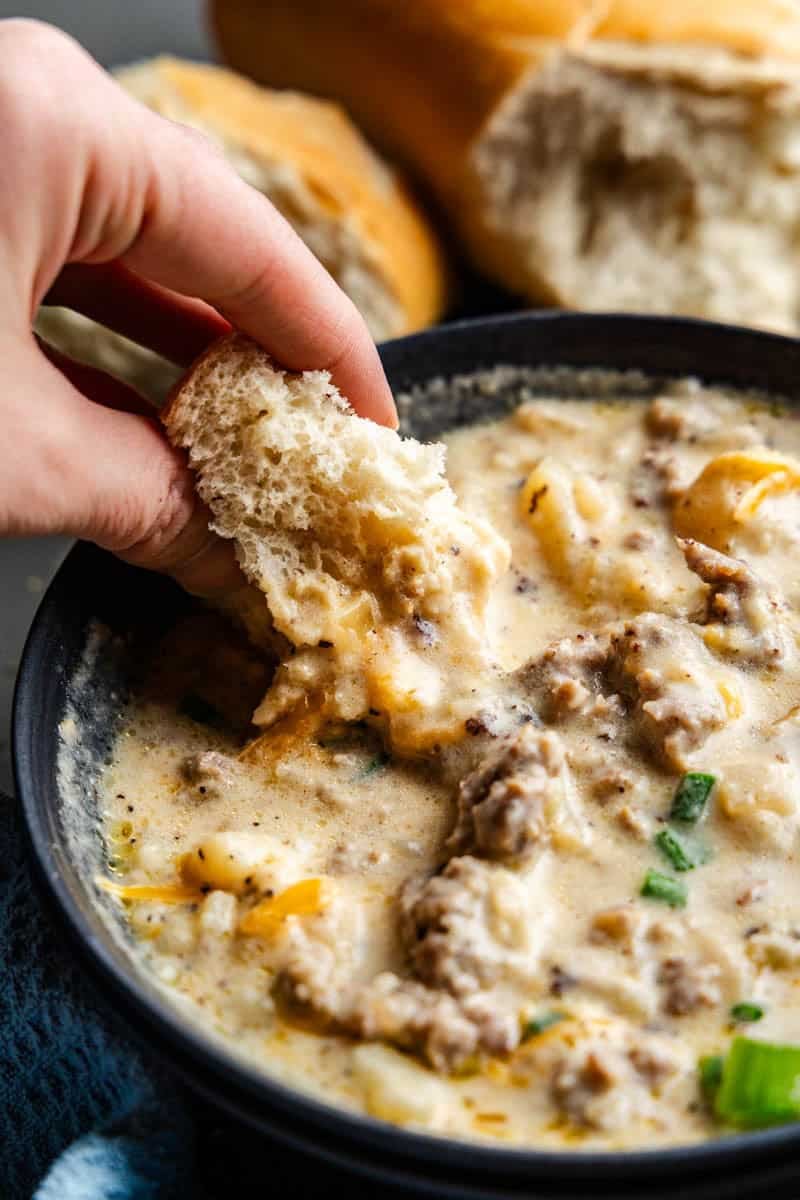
(90, 463)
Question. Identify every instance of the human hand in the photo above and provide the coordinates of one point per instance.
(140, 223)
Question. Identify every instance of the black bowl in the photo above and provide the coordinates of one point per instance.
(93, 586)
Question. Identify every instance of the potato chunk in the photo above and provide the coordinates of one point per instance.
(237, 860)
(396, 1089)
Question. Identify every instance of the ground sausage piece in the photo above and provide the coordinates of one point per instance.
(583, 1083)
(659, 478)
(414, 1017)
(568, 680)
(744, 619)
(209, 773)
(504, 804)
(310, 984)
(431, 1023)
(607, 1081)
(650, 681)
(618, 926)
(665, 673)
(468, 926)
(672, 418)
(688, 986)
(606, 776)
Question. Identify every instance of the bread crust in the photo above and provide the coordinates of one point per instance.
(423, 76)
(218, 349)
(446, 87)
(349, 183)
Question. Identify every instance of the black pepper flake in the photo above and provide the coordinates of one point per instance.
(561, 981)
(374, 712)
(201, 854)
(525, 586)
(130, 808)
(474, 726)
(536, 497)
(256, 824)
(753, 930)
(205, 888)
(324, 644)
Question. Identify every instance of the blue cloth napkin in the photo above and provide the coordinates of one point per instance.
(82, 1115)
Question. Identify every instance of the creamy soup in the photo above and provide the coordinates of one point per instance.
(579, 923)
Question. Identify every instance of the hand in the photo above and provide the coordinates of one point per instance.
(129, 218)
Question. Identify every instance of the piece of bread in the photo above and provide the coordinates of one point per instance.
(350, 532)
(628, 154)
(346, 203)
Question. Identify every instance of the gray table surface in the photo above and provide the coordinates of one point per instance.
(114, 31)
(117, 31)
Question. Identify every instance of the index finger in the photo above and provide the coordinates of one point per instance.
(205, 232)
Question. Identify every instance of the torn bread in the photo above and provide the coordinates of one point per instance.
(352, 534)
(620, 154)
(351, 209)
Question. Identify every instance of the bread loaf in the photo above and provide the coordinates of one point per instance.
(629, 154)
(350, 208)
(351, 534)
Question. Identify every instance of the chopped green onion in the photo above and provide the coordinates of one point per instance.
(710, 1071)
(673, 849)
(663, 887)
(689, 801)
(747, 1012)
(538, 1025)
(198, 709)
(760, 1084)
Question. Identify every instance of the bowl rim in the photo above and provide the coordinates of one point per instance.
(220, 1075)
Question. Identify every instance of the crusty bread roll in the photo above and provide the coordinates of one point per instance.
(345, 202)
(348, 206)
(600, 154)
(350, 532)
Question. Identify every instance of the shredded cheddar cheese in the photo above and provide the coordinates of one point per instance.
(166, 893)
(304, 899)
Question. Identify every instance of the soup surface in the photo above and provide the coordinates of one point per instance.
(536, 934)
